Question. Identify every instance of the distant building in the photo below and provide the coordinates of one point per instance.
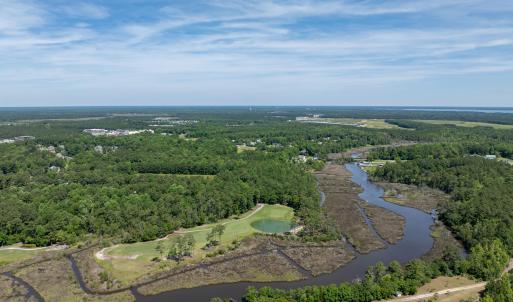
(491, 157)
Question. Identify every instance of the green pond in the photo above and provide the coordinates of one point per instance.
(272, 225)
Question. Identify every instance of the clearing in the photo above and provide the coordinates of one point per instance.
(363, 123)
(447, 289)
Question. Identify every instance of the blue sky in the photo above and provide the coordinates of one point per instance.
(256, 52)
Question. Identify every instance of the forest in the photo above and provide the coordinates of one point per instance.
(66, 186)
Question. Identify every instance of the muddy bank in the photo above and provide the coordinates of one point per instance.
(364, 225)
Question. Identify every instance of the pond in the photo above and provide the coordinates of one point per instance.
(272, 226)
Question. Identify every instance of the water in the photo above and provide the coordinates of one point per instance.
(415, 243)
(481, 110)
(272, 226)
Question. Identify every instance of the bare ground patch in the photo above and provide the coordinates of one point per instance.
(55, 281)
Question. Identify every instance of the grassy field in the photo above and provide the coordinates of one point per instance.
(9, 256)
(242, 148)
(466, 124)
(506, 160)
(364, 123)
(129, 261)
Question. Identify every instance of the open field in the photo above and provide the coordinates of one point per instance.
(243, 148)
(18, 253)
(466, 124)
(12, 256)
(127, 262)
(363, 123)
(447, 289)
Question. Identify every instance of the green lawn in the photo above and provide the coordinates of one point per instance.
(9, 256)
(242, 148)
(126, 269)
(466, 124)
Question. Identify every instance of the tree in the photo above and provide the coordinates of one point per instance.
(214, 237)
(486, 261)
(182, 247)
(499, 290)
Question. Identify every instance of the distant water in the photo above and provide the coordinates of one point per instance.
(485, 110)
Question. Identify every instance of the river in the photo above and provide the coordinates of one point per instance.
(415, 243)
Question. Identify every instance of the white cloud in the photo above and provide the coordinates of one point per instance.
(86, 10)
(19, 15)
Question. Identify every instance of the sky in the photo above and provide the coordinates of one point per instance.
(256, 52)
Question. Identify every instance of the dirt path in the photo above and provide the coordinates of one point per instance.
(440, 293)
(101, 254)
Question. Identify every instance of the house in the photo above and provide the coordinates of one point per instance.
(365, 164)
(491, 157)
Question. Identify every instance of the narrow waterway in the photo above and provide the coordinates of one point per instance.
(415, 243)
(32, 293)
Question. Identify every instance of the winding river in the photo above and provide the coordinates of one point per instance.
(415, 243)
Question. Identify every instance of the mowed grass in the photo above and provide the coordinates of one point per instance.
(466, 124)
(242, 148)
(237, 228)
(10, 256)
